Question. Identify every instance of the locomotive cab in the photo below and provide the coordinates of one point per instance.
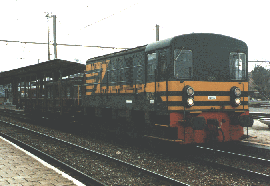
(204, 85)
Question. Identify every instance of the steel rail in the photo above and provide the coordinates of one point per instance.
(86, 179)
(262, 161)
(156, 175)
(234, 168)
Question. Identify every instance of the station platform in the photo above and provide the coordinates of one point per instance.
(18, 167)
(10, 107)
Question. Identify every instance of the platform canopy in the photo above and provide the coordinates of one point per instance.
(49, 69)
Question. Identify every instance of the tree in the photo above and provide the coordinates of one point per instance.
(261, 76)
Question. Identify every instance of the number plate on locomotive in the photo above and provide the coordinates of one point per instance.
(212, 97)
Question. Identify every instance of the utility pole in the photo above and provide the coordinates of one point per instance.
(49, 44)
(48, 16)
(157, 32)
(54, 36)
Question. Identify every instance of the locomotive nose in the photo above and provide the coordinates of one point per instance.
(198, 123)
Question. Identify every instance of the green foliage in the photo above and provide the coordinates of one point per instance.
(261, 76)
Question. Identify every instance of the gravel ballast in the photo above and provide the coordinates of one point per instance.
(184, 170)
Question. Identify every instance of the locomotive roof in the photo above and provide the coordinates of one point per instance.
(193, 39)
(122, 52)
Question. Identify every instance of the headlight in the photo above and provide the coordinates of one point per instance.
(188, 96)
(237, 91)
(237, 101)
(190, 102)
(190, 91)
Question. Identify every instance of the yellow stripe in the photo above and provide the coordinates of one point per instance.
(218, 98)
(88, 67)
(239, 107)
(205, 108)
(90, 81)
(195, 112)
(228, 107)
(161, 125)
(175, 108)
(202, 107)
(175, 86)
(171, 98)
(215, 86)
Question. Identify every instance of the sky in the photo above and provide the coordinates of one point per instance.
(123, 24)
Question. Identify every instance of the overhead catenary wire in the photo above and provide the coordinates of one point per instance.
(109, 16)
(29, 42)
(120, 48)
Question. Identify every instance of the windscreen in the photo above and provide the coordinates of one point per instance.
(183, 64)
(237, 66)
(152, 63)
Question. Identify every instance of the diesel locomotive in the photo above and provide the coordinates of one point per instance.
(190, 88)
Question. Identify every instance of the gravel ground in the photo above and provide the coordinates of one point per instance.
(104, 170)
(259, 132)
(239, 163)
(259, 109)
(184, 170)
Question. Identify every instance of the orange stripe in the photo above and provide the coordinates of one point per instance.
(239, 107)
(171, 98)
(175, 86)
(215, 86)
(205, 108)
(175, 108)
(202, 107)
(218, 98)
(195, 112)
(197, 85)
(88, 67)
(200, 98)
(150, 87)
(90, 81)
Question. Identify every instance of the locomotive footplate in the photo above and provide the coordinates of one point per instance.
(164, 132)
(164, 139)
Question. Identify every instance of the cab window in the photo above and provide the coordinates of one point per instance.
(152, 63)
(162, 63)
(237, 66)
(129, 71)
(183, 64)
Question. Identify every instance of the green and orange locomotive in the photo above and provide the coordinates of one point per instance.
(190, 88)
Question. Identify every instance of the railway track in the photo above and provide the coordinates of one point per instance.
(223, 159)
(86, 179)
(217, 165)
(32, 138)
